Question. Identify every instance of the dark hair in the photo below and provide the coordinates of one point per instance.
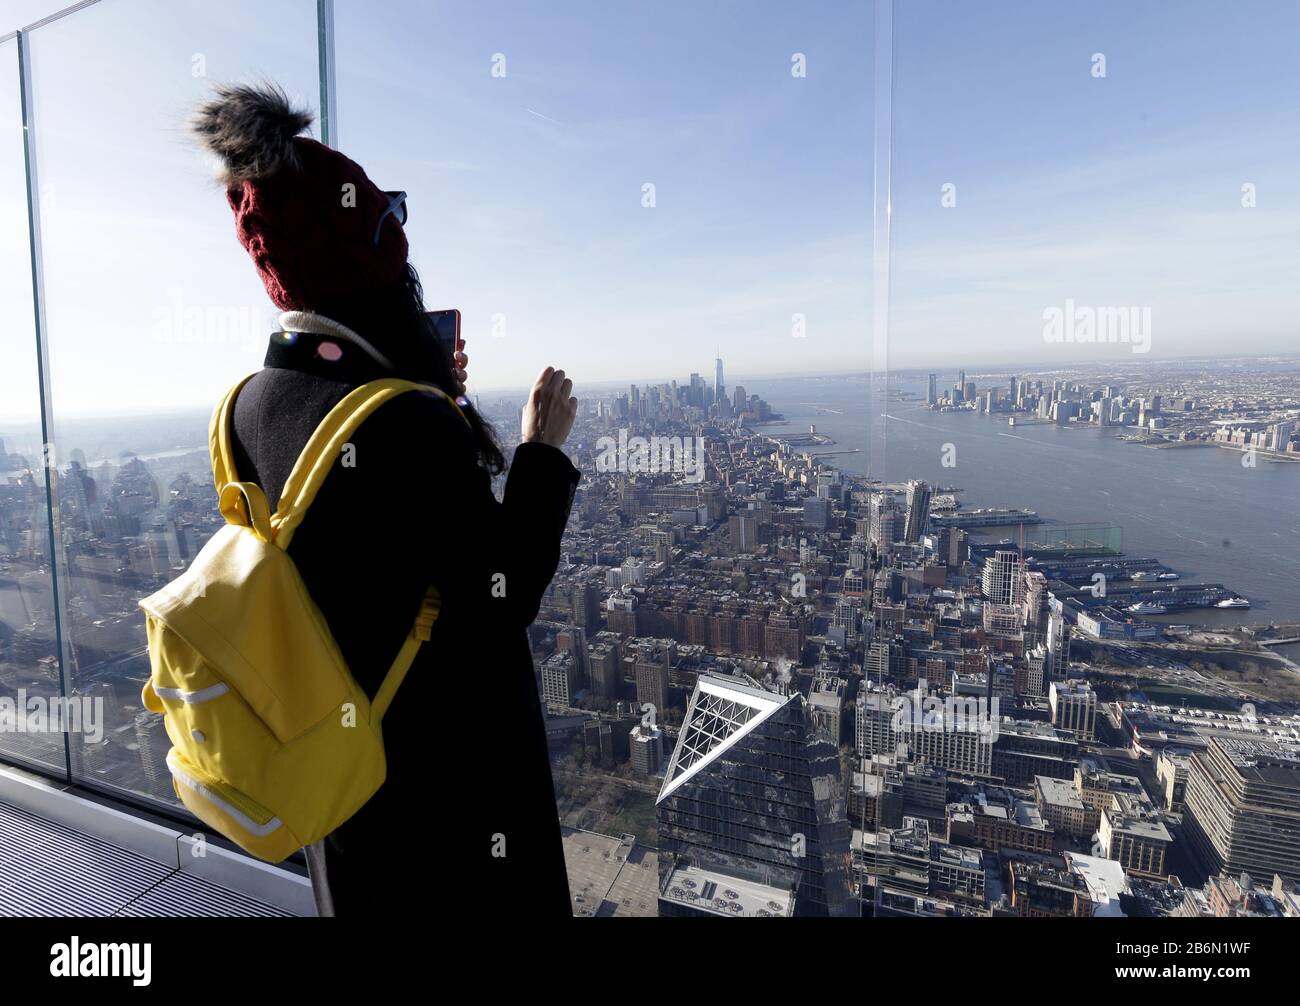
(394, 321)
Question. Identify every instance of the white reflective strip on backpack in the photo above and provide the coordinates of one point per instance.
(193, 698)
(242, 819)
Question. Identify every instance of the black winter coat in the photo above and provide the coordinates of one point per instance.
(468, 772)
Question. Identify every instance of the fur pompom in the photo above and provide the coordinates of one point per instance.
(250, 129)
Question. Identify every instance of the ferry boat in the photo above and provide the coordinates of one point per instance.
(986, 517)
(1169, 576)
(1233, 602)
(1146, 608)
(1144, 575)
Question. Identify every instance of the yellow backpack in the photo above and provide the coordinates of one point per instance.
(274, 742)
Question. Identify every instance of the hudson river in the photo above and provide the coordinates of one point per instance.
(1196, 509)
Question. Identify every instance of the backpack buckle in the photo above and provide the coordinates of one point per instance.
(429, 608)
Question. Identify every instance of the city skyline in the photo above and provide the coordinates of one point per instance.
(978, 368)
(669, 584)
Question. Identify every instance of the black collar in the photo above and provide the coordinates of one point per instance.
(301, 351)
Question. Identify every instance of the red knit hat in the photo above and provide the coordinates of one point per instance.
(306, 214)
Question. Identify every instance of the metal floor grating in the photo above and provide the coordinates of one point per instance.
(49, 870)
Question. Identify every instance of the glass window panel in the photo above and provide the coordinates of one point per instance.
(1078, 201)
(1093, 267)
(654, 197)
(542, 229)
(153, 310)
(29, 672)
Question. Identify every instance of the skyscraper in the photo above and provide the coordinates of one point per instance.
(573, 640)
(1058, 647)
(1037, 610)
(953, 547)
(606, 665)
(932, 390)
(647, 748)
(918, 510)
(884, 529)
(1074, 707)
(752, 817)
(1002, 581)
(1243, 805)
(1004, 592)
(653, 668)
(719, 387)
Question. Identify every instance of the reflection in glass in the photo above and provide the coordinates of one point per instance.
(28, 653)
(152, 312)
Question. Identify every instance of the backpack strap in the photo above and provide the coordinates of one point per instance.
(219, 449)
(240, 503)
(318, 458)
(419, 634)
(326, 444)
(244, 503)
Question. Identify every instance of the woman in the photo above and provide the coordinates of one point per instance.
(468, 807)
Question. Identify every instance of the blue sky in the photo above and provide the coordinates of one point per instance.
(525, 191)
(1119, 191)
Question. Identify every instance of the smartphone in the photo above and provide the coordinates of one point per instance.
(446, 326)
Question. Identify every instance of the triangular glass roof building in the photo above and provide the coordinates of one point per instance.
(752, 807)
(720, 714)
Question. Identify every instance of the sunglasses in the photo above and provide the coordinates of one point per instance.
(396, 208)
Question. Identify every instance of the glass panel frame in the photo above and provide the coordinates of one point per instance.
(30, 669)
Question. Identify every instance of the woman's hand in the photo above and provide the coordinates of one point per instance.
(549, 414)
(459, 366)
